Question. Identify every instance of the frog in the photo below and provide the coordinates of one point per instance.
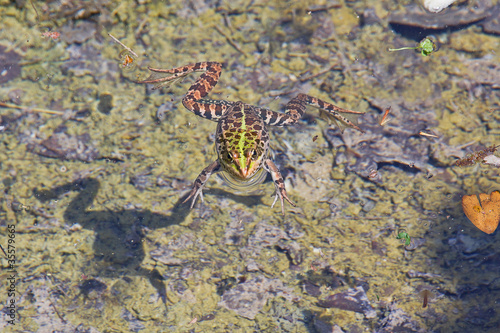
(242, 140)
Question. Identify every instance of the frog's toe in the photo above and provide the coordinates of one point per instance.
(282, 197)
(192, 196)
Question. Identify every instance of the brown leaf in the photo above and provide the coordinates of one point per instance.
(483, 212)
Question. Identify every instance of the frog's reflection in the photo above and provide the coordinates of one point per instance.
(118, 248)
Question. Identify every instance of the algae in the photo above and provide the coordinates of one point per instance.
(119, 219)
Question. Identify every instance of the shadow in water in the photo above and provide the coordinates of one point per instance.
(118, 247)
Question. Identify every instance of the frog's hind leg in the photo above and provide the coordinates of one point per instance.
(296, 108)
(334, 111)
(193, 101)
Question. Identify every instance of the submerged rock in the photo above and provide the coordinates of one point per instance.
(492, 24)
(415, 16)
(264, 235)
(9, 65)
(67, 147)
(248, 298)
(396, 320)
(353, 299)
(78, 32)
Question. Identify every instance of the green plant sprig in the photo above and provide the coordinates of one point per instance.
(426, 47)
(404, 235)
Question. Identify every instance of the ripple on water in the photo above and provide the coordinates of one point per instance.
(244, 186)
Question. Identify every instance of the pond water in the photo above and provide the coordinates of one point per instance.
(94, 168)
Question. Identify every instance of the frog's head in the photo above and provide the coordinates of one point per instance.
(241, 141)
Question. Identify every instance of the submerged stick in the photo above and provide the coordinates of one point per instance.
(123, 45)
(24, 108)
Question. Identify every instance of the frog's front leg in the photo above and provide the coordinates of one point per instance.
(201, 181)
(279, 184)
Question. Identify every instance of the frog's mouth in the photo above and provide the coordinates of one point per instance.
(243, 165)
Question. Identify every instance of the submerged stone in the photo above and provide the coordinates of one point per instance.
(247, 299)
(353, 299)
(67, 147)
(9, 65)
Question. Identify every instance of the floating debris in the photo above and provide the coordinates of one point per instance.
(51, 34)
(478, 156)
(128, 61)
(492, 160)
(354, 299)
(483, 210)
(384, 120)
(425, 294)
(427, 134)
(127, 56)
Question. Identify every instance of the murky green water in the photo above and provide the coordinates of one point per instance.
(92, 199)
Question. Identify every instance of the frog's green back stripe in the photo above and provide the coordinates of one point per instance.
(241, 142)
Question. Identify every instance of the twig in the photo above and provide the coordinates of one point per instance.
(429, 135)
(325, 8)
(123, 45)
(36, 11)
(57, 312)
(24, 108)
(140, 27)
(230, 41)
(304, 79)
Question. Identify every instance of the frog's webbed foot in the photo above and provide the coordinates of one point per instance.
(279, 185)
(200, 182)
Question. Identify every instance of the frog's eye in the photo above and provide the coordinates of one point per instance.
(251, 153)
(233, 156)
